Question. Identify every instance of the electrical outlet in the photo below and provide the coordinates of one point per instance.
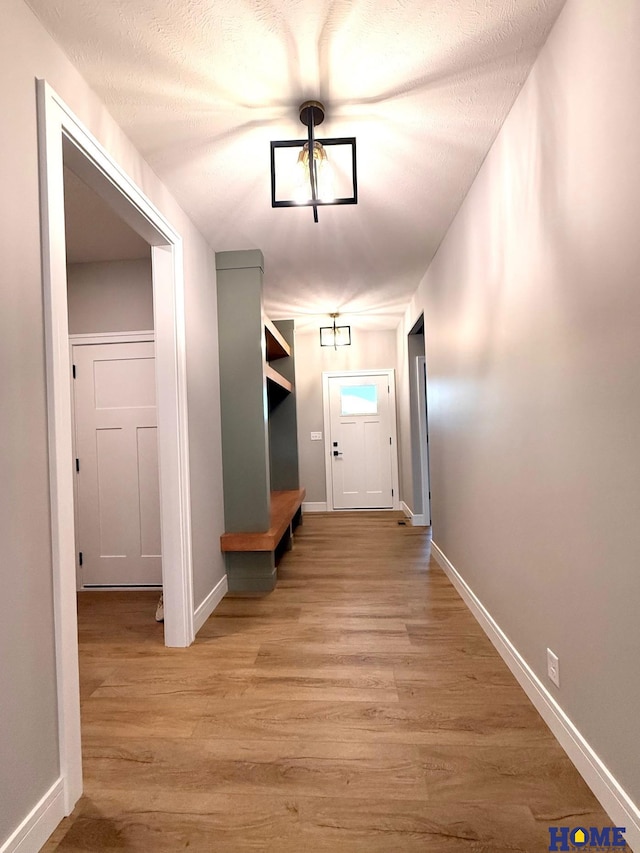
(553, 667)
(316, 436)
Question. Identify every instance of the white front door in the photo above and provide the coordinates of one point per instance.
(118, 498)
(361, 441)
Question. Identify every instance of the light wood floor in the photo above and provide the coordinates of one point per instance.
(358, 707)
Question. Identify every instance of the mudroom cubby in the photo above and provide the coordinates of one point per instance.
(262, 494)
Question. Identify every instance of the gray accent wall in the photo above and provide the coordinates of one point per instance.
(243, 392)
(28, 708)
(370, 350)
(110, 296)
(532, 309)
(283, 438)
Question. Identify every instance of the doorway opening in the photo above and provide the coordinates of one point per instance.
(111, 336)
(361, 458)
(417, 371)
(63, 140)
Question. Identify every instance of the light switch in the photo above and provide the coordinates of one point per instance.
(316, 436)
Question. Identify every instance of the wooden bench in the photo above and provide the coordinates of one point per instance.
(285, 506)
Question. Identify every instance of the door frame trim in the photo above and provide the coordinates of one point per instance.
(424, 519)
(390, 373)
(58, 129)
(79, 339)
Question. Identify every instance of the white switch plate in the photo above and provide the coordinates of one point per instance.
(316, 436)
(553, 667)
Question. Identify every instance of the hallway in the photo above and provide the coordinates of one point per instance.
(358, 708)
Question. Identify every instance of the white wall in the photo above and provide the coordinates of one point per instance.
(110, 296)
(369, 350)
(28, 734)
(532, 310)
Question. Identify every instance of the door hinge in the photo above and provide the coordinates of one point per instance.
(391, 492)
(80, 557)
(74, 370)
(389, 439)
(77, 464)
(429, 495)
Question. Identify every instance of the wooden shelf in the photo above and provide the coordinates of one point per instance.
(277, 347)
(273, 376)
(284, 505)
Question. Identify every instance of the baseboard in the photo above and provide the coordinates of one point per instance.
(417, 519)
(614, 800)
(314, 506)
(38, 825)
(204, 610)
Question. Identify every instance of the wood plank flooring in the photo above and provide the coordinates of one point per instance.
(358, 708)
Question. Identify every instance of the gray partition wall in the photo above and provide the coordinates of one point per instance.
(243, 396)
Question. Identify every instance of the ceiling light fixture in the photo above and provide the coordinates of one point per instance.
(302, 178)
(335, 336)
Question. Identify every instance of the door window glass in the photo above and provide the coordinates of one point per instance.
(358, 400)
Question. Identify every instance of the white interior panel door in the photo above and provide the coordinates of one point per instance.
(118, 495)
(361, 442)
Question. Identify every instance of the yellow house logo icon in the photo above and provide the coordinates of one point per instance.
(579, 836)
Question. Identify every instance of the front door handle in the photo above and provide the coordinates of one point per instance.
(337, 453)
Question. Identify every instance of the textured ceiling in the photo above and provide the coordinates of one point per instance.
(202, 86)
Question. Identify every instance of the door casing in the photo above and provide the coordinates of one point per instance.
(423, 432)
(391, 378)
(60, 130)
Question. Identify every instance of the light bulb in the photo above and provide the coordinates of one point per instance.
(300, 177)
(326, 190)
(324, 172)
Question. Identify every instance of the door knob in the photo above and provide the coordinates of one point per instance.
(337, 453)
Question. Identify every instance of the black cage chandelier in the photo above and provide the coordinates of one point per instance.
(335, 336)
(301, 179)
